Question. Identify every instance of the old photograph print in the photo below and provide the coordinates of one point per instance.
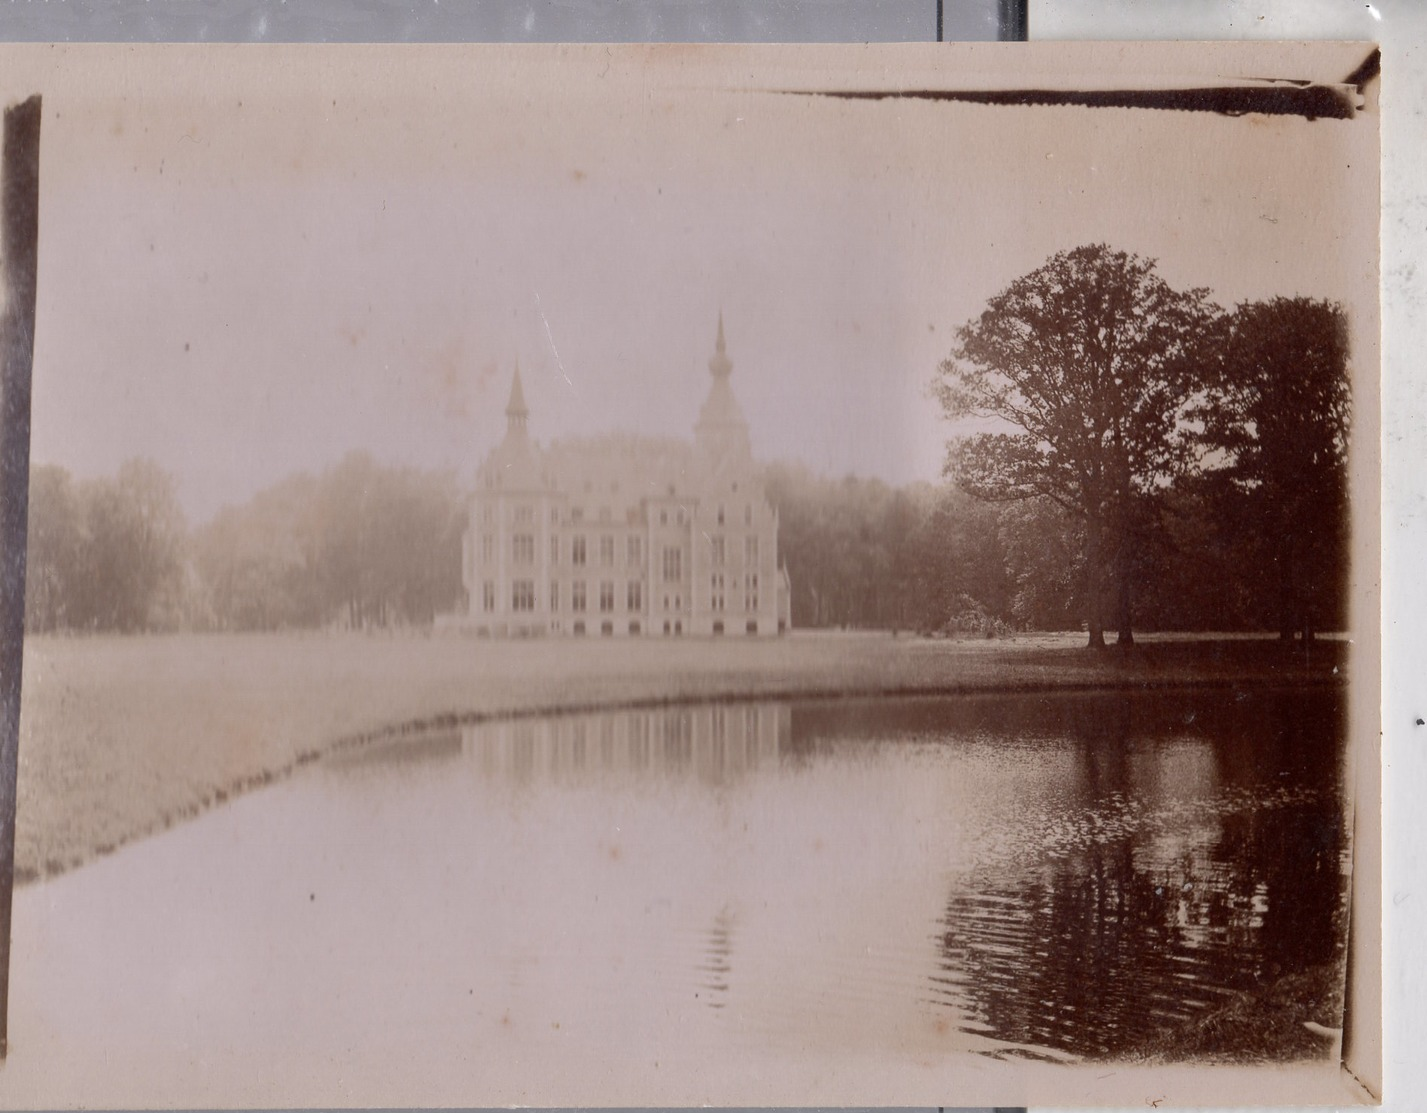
(679, 575)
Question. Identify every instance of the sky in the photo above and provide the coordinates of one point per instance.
(255, 261)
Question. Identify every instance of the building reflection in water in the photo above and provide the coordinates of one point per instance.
(711, 743)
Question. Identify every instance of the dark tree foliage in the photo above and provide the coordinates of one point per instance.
(1044, 547)
(848, 548)
(862, 554)
(1089, 365)
(1278, 416)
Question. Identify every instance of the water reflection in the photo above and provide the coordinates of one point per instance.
(1167, 886)
(1063, 876)
(718, 959)
(712, 744)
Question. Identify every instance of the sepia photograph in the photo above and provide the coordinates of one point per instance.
(632, 575)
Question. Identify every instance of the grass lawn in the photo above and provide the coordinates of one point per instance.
(121, 737)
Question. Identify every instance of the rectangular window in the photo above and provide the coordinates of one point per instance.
(673, 564)
(554, 550)
(577, 595)
(606, 596)
(716, 591)
(717, 552)
(663, 517)
(488, 595)
(554, 595)
(487, 548)
(748, 515)
(606, 551)
(524, 515)
(634, 550)
(750, 591)
(522, 595)
(634, 596)
(522, 549)
(577, 551)
(750, 549)
(720, 513)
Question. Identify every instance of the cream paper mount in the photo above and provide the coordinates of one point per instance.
(560, 576)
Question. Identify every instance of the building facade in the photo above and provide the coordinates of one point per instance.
(625, 536)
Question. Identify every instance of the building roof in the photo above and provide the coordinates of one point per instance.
(618, 470)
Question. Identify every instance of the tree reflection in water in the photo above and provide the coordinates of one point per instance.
(1165, 901)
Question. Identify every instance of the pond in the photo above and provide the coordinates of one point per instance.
(1063, 878)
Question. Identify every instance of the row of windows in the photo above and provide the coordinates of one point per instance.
(522, 595)
(523, 552)
(524, 515)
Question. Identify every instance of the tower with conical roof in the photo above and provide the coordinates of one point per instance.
(515, 463)
(516, 412)
(721, 433)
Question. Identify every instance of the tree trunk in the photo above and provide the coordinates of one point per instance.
(1286, 617)
(1123, 607)
(1092, 582)
(1125, 598)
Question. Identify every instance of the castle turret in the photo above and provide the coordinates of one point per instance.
(721, 433)
(516, 411)
(515, 463)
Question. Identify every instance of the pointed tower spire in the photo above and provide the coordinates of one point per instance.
(515, 410)
(721, 432)
(719, 365)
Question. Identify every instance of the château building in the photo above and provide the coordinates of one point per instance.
(621, 535)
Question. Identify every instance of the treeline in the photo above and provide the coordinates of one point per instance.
(360, 546)
(862, 554)
(1151, 460)
(364, 546)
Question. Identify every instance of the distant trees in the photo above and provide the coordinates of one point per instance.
(1088, 363)
(848, 547)
(361, 545)
(106, 554)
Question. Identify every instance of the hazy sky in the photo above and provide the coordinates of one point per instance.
(252, 263)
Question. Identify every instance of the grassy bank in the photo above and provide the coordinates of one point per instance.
(1299, 1016)
(121, 737)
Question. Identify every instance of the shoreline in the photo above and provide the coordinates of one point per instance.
(122, 739)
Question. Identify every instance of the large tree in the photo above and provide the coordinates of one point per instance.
(1085, 368)
(1279, 417)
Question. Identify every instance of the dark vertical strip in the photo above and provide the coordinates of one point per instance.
(19, 242)
(1013, 21)
(940, 24)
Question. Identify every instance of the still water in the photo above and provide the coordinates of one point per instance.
(1065, 878)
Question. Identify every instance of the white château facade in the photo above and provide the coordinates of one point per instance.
(621, 535)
